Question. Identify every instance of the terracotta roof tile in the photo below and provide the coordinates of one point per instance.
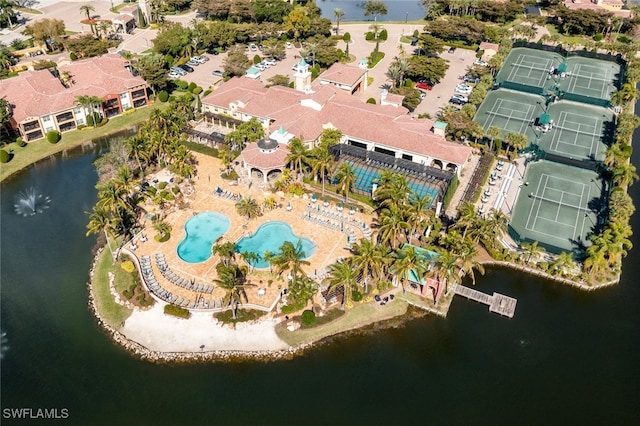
(342, 74)
(254, 157)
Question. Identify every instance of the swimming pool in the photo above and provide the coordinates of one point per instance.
(366, 177)
(269, 237)
(202, 231)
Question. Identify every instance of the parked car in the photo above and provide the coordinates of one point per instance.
(424, 85)
(459, 99)
(464, 89)
(177, 70)
(288, 45)
(174, 75)
(212, 51)
(253, 47)
(217, 73)
(452, 49)
(471, 79)
(481, 63)
(414, 41)
(193, 63)
(186, 68)
(261, 67)
(270, 62)
(423, 95)
(203, 58)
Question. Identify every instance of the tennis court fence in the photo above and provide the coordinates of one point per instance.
(582, 164)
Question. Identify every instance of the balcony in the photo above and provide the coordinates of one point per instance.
(31, 126)
(138, 93)
(140, 102)
(67, 126)
(64, 117)
(33, 135)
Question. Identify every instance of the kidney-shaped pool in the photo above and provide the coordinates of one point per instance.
(202, 231)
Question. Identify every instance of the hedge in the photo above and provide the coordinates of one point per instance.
(308, 318)
(383, 35)
(4, 156)
(197, 90)
(176, 311)
(192, 86)
(53, 136)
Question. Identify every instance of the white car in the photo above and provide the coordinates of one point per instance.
(253, 47)
(270, 62)
(288, 45)
(464, 89)
(481, 63)
(260, 67)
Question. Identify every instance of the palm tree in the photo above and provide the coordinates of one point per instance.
(248, 207)
(493, 132)
(339, 14)
(87, 9)
(445, 268)
(394, 73)
(290, 258)
(391, 226)
(347, 178)
(419, 215)
(251, 258)
(615, 155)
(367, 260)
(231, 279)
(497, 226)
(517, 141)
(298, 155)
(100, 221)
(532, 249)
(562, 262)
(407, 263)
(342, 274)
(467, 261)
(226, 251)
(162, 228)
(322, 163)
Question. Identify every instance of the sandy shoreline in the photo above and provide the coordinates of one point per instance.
(164, 333)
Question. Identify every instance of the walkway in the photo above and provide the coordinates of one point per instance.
(499, 303)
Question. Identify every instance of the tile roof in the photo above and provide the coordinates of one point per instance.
(486, 45)
(385, 125)
(253, 156)
(342, 74)
(37, 93)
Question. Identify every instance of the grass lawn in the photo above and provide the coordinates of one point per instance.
(566, 41)
(354, 318)
(108, 309)
(40, 148)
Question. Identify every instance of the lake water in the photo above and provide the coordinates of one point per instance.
(398, 10)
(567, 357)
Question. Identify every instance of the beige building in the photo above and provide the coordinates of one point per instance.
(41, 102)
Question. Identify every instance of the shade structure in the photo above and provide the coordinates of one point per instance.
(545, 118)
(562, 67)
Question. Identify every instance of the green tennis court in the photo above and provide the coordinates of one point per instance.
(510, 111)
(591, 78)
(579, 131)
(559, 206)
(529, 67)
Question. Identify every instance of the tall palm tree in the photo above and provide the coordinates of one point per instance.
(339, 14)
(251, 258)
(231, 278)
(532, 249)
(322, 163)
(624, 174)
(408, 263)
(392, 226)
(290, 258)
(517, 141)
(467, 261)
(367, 261)
(100, 221)
(226, 251)
(87, 9)
(496, 228)
(562, 262)
(347, 178)
(419, 215)
(342, 273)
(445, 269)
(298, 155)
(493, 133)
(248, 207)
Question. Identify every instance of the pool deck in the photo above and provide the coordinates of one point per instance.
(329, 242)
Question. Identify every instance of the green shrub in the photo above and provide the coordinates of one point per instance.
(182, 85)
(168, 59)
(292, 85)
(257, 59)
(4, 156)
(383, 35)
(176, 311)
(369, 36)
(206, 93)
(598, 37)
(371, 101)
(416, 33)
(163, 96)
(163, 238)
(20, 142)
(128, 294)
(197, 90)
(356, 296)
(175, 190)
(289, 309)
(308, 318)
(53, 136)
(346, 37)
(73, 56)
(162, 185)
(128, 266)
(151, 190)
(192, 86)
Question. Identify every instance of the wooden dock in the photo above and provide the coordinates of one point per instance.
(498, 303)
